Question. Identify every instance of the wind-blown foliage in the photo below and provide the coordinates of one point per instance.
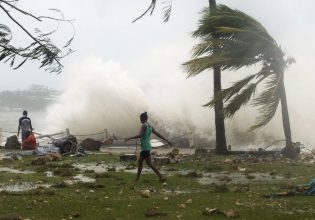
(239, 41)
(41, 48)
(167, 9)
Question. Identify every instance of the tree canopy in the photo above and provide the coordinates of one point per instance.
(41, 47)
(240, 41)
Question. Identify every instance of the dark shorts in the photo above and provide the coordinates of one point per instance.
(25, 134)
(145, 153)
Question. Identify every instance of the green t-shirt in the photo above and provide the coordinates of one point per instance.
(145, 139)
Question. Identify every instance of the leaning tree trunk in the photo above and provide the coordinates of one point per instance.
(289, 150)
(218, 107)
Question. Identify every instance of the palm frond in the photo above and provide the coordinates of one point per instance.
(237, 39)
(239, 89)
(268, 101)
(239, 100)
(151, 7)
(167, 10)
(225, 22)
(226, 94)
(207, 46)
(195, 66)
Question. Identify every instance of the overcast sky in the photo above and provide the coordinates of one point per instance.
(103, 29)
(150, 52)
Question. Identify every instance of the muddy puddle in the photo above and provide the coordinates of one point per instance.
(204, 178)
(79, 179)
(220, 178)
(22, 187)
(11, 170)
(83, 179)
(132, 150)
(178, 192)
(102, 167)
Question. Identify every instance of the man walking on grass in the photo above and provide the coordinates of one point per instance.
(144, 135)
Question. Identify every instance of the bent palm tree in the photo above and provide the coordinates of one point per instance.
(240, 41)
(221, 147)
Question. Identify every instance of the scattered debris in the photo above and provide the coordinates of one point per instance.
(249, 176)
(182, 206)
(91, 144)
(16, 157)
(54, 156)
(194, 174)
(63, 172)
(201, 151)
(146, 193)
(209, 212)
(102, 175)
(173, 160)
(241, 188)
(241, 169)
(13, 142)
(224, 178)
(10, 216)
(229, 213)
(128, 157)
(75, 215)
(108, 141)
(42, 160)
(67, 144)
(189, 201)
(131, 166)
(174, 156)
(173, 153)
(153, 212)
(161, 160)
(62, 184)
(111, 169)
(221, 188)
(306, 190)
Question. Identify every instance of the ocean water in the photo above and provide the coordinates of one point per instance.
(9, 126)
(9, 122)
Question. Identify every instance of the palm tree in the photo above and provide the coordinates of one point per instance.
(218, 107)
(231, 39)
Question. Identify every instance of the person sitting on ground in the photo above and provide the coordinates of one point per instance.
(29, 143)
(144, 135)
(25, 125)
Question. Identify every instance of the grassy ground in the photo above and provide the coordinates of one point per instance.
(115, 196)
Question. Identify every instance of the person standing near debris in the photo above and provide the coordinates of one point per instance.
(144, 135)
(25, 125)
